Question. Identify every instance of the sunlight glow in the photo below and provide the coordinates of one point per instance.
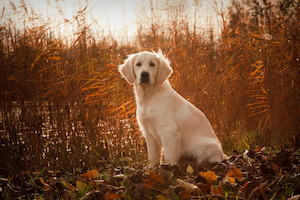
(117, 18)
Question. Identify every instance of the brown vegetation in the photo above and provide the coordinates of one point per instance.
(63, 103)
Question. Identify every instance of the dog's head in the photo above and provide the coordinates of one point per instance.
(146, 68)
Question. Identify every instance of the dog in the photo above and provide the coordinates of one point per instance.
(166, 119)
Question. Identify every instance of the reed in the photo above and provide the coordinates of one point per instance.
(64, 105)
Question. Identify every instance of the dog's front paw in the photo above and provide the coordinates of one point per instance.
(154, 164)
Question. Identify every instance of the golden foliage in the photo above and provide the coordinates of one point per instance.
(65, 102)
(210, 176)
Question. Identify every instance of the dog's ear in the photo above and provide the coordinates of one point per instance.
(127, 69)
(164, 68)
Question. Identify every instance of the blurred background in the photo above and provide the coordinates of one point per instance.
(63, 103)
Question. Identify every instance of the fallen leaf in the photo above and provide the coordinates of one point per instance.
(245, 154)
(137, 177)
(189, 169)
(111, 196)
(257, 149)
(93, 184)
(283, 156)
(184, 195)
(217, 191)
(275, 167)
(94, 194)
(267, 169)
(229, 179)
(81, 187)
(42, 181)
(236, 173)
(154, 180)
(210, 176)
(296, 197)
(248, 187)
(90, 174)
(241, 194)
(69, 195)
(260, 191)
(204, 188)
(160, 197)
(189, 187)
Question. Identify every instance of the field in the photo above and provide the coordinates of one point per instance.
(64, 105)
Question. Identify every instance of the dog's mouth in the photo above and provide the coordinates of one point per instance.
(145, 78)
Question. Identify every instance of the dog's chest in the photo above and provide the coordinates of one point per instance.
(151, 116)
(149, 113)
(150, 120)
(149, 105)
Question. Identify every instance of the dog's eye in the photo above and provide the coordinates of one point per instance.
(139, 64)
(152, 64)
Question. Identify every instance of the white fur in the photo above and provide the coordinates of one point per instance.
(166, 119)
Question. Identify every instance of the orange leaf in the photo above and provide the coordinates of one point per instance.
(275, 167)
(154, 180)
(42, 180)
(257, 149)
(184, 195)
(112, 196)
(90, 174)
(217, 191)
(210, 176)
(235, 173)
(229, 179)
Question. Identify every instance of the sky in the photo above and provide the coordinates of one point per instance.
(114, 15)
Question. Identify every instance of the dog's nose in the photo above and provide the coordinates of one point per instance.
(145, 77)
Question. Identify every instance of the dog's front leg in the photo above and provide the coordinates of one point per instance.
(171, 141)
(154, 150)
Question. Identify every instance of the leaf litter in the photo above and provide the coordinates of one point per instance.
(255, 174)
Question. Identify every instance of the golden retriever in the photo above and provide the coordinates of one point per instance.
(165, 118)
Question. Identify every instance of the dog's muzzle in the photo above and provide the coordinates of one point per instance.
(145, 78)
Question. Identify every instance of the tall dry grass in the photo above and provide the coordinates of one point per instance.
(61, 100)
(64, 105)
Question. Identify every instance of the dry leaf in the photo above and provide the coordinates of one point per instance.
(275, 167)
(154, 180)
(296, 197)
(189, 187)
(257, 149)
(42, 180)
(81, 187)
(204, 188)
(229, 179)
(236, 173)
(217, 191)
(189, 169)
(184, 195)
(112, 196)
(245, 154)
(210, 176)
(90, 174)
(94, 194)
(69, 195)
(160, 197)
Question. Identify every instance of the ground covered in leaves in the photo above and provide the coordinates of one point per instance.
(255, 174)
